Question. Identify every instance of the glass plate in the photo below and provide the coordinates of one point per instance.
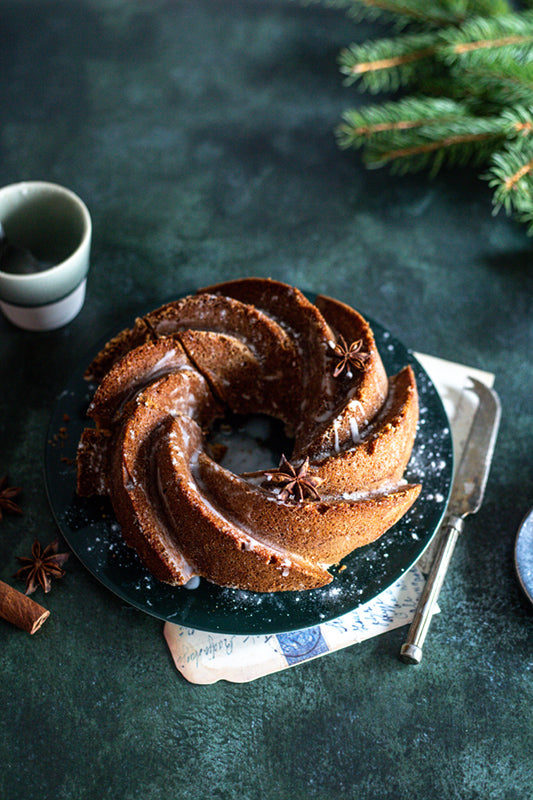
(90, 528)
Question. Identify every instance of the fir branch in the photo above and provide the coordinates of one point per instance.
(431, 147)
(388, 120)
(387, 64)
(501, 81)
(494, 56)
(519, 120)
(422, 15)
(479, 66)
(414, 134)
(511, 176)
(495, 46)
(469, 44)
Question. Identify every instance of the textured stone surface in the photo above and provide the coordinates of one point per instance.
(200, 134)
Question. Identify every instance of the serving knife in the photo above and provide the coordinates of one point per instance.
(466, 497)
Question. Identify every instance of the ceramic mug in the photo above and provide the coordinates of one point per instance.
(48, 229)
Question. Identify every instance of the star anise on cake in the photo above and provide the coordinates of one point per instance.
(295, 483)
(7, 493)
(41, 567)
(349, 356)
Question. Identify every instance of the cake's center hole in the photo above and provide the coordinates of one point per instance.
(249, 443)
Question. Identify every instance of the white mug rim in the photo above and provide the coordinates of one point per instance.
(43, 275)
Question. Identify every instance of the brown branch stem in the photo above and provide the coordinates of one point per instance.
(387, 63)
(429, 147)
(468, 47)
(524, 127)
(512, 181)
(400, 125)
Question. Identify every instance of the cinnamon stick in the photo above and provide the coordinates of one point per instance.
(20, 609)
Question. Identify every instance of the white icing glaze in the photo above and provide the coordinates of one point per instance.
(163, 362)
(354, 430)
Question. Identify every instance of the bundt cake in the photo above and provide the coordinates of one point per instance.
(250, 346)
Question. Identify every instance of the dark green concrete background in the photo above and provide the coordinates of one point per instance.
(200, 134)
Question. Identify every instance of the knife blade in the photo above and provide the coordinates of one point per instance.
(466, 497)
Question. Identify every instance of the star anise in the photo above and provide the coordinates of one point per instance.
(7, 493)
(295, 483)
(349, 356)
(41, 567)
